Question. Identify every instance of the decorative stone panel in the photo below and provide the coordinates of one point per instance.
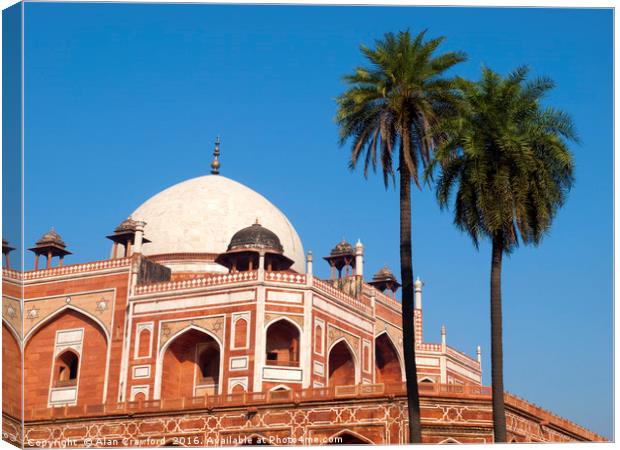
(272, 317)
(395, 334)
(99, 305)
(334, 334)
(12, 314)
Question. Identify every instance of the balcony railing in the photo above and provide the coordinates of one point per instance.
(65, 383)
(72, 269)
(275, 398)
(197, 283)
(281, 363)
(361, 304)
(243, 399)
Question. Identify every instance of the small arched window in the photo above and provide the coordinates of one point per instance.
(67, 364)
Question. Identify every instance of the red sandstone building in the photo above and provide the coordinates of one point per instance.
(206, 326)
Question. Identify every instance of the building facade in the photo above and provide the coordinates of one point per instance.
(207, 326)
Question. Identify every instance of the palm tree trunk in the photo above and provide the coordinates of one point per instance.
(406, 274)
(497, 369)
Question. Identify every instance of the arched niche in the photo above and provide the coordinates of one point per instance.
(191, 365)
(387, 363)
(282, 344)
(348, 437)
(89, 341)
(341, 365)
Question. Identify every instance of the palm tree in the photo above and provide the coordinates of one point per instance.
(394, 103)
(508, 159)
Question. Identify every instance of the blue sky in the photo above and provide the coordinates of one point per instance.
(122, 101)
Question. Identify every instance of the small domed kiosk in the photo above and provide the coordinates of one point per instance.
(384, 280)
(248, 244)
(50, 245)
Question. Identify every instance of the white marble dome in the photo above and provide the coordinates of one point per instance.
(202, 214)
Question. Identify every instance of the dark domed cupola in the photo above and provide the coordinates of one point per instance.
(248, 244)
(341, 256)
(384, 280)
(255, 237)
(50, 245)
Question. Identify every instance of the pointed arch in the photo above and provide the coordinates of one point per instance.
(449, 441)
(59, 311)
(91, 342)
(13, 331)
(349, 437)
(66, 368)
(280, 387)
(388, 365)
(342, 364)
(279, 318)
(186, 370)
(238, 388)
(187, 328)
(342, 339)
(398, 348)
(282, 342)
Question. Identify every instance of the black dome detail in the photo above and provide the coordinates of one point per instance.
(255, 237)
(247, 244)
(342, 248)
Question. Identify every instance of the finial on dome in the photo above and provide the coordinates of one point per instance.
(215, 165)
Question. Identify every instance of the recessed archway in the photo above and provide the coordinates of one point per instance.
(44, 358)
(449, 441)
(282, 344)
(341, 364)
(387, 362)
(348, 438)
(191, 366)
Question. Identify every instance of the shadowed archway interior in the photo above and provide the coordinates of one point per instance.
(388, 368)
(282, 344)
(191, 366)
(341, 365)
